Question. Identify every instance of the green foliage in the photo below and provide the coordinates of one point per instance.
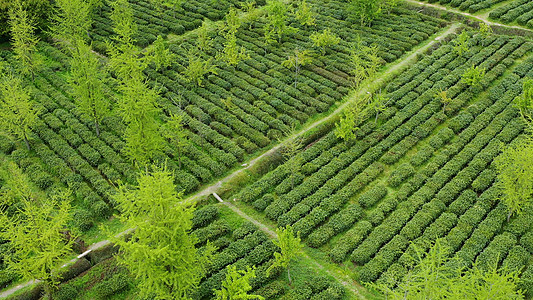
(160, 55)
(198, 68)
(237, 284)
(71, 21)
(176, 133)
(524, 102)
(349, 123)
(461, 43)
(299, 59)
(515, 170)
(123, 22)
(304, 14)
(203, 40)
(139, 110)
(23, 38)
(277, 20)
(485, 30)
(364, 60)
(444, 99)
(87, 81)
(35, 233)
(17, 113)
(378, 104)
(435, 277)
(366, 11)
(160, 253)
(232, 54)
(290, 245)
(290, 151)
(473, 75)
(324, 40)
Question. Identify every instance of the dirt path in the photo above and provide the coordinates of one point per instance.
(479, 18)
(349, 284)
(368, 88)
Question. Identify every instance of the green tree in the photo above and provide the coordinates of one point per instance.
(290, 151)
(348, 124)
(161, 252)
(250, 15)
(435, 277)
(461, 43)
(365, 61)
(87, 82)
(176, 133)
(232, 54)
(299, 59)
(17, 113)
(290, 245)
(71, 21)
(237, 285)
(473, 75)
(324, 40)
(524, 102)
(484, 31)
(277, 20)
(198, 68)
(124, 24)
(124, 58)
(23, 38)
(139, 110)
(203, 40)
(304, 14)
(444, 99)
(160, 55)
(366, 11)
(137, 103)
(37, 243)
(515, 170)
(378, 104)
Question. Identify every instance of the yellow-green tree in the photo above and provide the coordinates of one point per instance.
(434, 277)
(35, 232)
(174, 131)
(161, 252)
(296, 61)
(524, 102)
(23, 38)
(237, 285)
(515, 170)
(17, 113)
(290, 245)
(324, 40)
(87, 81)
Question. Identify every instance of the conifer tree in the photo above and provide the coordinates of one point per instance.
(161, 252)
(17, 113)
(23, 38)
(515, 170)
(237, 285)
(87, 81)
(37, 243)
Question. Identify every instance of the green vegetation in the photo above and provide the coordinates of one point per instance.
(342, 149)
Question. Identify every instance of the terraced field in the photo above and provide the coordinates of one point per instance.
(417, 174)
(417, 171)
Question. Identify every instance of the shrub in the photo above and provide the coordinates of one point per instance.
(527, 241)
(372, 196)
(399, 175)
(107, 288)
